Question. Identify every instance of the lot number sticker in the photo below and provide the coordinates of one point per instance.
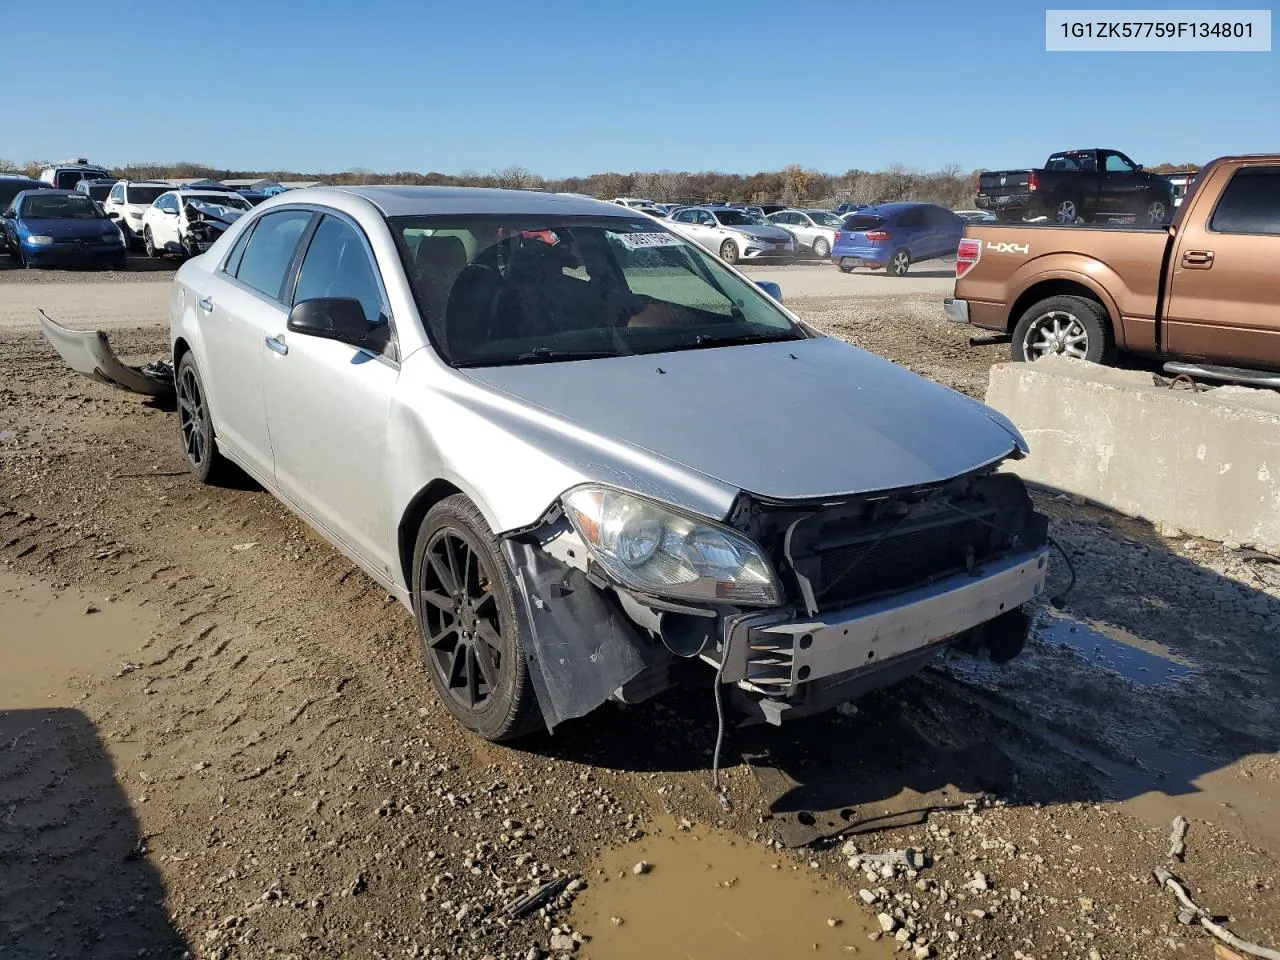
(643, 241)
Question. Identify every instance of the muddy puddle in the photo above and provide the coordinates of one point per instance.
(1111, 648)
(711, 896)
(54, 643)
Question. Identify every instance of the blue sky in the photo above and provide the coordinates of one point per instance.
(567, 88)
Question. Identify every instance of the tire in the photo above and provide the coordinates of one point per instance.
(1067, 210)
(899, 262)
(844, 269)
(729, 252)
(1155, 212)
(1065, 325)
(196, 425)
(465, 604)
(149, 245)
(821, 248)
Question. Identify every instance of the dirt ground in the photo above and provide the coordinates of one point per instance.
(217, 738)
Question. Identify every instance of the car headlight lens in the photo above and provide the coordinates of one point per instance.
(656, 550)
(37, 240)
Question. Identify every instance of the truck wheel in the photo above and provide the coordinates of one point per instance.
(1068, 211)
(900, 262)
(1156, 211)
(821, 248)
(729, 252)
(1067, 326)
(465, 604)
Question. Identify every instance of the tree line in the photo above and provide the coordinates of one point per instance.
(795, 185)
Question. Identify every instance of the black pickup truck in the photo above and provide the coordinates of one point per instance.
(1078, 185)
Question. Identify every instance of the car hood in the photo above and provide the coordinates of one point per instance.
(756, 230)
(67, 228)
(805, 419)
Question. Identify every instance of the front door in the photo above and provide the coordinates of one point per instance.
(328, 402)
(1224, 294)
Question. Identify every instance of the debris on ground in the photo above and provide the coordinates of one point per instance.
(1178, 838)
(1192, 912)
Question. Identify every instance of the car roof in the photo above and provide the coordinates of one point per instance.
(21, 178)
(407, 201)
(895, 207)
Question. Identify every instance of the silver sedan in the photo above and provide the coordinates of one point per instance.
(813, 229)
(580, 449)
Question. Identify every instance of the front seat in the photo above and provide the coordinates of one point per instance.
(436, 265)
(468, 318)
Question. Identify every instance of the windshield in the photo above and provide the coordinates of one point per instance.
(824, 218)
(234, 201)
(58, 206)
(495, 290)
(145, 195)
(736, 218)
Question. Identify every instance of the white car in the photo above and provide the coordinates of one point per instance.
(128, 201)
(732, 233)
(815, 229)
(187, 222)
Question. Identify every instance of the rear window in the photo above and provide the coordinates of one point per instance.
(862, 222)
(1251, 203)
(143, 194)
(10, 190)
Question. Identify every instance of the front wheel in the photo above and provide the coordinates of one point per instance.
(465, 604)
(821, 248)
(900, 262)
(729, 252)
(1067, 326)
(149, 244)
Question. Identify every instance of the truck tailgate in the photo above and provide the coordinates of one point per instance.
(1001, 183)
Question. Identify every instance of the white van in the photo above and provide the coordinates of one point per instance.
(65, 175)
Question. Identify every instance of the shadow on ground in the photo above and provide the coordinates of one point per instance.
(74, 878)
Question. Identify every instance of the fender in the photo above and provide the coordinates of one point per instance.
(1092, 274)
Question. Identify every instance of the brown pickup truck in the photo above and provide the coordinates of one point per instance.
(1203, 292)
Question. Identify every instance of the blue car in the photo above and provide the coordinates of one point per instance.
(893, 236)
(61, 227)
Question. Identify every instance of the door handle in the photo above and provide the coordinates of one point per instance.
(205, 304)
(1197, 259)
(277, 345)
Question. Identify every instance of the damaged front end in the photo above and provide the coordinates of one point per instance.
(839, 598)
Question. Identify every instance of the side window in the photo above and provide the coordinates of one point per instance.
(687, 216)
(117, 193)
(168, 202)
(338, 264)
(268, 251)
(912, 218)
(706, 219)
(1250, 203)
(237, 252)
(1117, 164)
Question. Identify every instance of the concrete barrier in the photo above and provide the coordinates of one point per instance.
(1206, 463)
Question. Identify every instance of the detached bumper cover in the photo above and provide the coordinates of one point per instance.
(773, 652)
(957, 311)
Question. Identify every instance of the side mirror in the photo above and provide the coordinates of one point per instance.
(1138, 168)
(331, 318)
(771, 288)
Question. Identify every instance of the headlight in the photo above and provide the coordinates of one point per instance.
(39, 241)
(657, 550)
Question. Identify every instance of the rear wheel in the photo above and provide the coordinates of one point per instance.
(1066, 326)
(899, 263)
(196, 424)
(821, 248)
(729, 252)
(844, 267)
(1156, 211)
(465, 604)
(1067, 211)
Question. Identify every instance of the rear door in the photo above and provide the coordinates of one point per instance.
(327, 401)
(239, 309)
(910, 231)
(1224, 292)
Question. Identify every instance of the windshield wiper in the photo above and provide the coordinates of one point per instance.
(542, 355)
(727, 339)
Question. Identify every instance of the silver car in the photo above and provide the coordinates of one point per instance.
(580, 450)
(814, 230)
(732, 233)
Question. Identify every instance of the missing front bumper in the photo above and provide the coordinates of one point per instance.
(774, 654)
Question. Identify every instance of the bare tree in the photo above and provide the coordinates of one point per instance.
(7, 166)
(795, 183)
(513, 178)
